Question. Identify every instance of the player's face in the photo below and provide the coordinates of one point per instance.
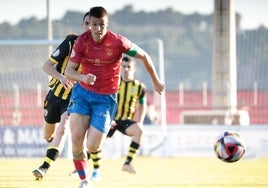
(85, 25)
(128, 70)
(98, 28)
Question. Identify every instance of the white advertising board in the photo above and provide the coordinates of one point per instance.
(189, 140)
(179, 140)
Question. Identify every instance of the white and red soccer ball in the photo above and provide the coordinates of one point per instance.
(229, 146)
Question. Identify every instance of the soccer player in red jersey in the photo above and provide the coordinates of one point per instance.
(93, 103)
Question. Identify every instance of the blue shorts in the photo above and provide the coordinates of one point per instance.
(101, 108)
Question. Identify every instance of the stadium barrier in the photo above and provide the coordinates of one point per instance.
(189, 140)
(180, 140)
(215, 117)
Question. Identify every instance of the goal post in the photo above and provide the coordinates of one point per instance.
(163, 95)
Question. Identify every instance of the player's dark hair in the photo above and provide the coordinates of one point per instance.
(126, 58)
(85, 15)
(98, 12)
(129, 59)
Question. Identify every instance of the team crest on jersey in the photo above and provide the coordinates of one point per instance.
(97, 61)
(56, 53)
(132, 90)
(45, 112)
(109, 52)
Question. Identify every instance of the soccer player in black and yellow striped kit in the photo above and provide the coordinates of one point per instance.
(57, 100)
(131, 98)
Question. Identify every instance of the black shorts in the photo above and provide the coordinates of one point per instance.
(54, 107)
(121, 126)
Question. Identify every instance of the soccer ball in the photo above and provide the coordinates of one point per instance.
(229, 146)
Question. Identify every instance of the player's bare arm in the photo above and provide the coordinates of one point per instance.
(149, 66)
(72, 74)
(50, 69)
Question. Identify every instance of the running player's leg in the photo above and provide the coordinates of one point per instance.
(55, 110)
(98, 130)
(40, 172)
(78, 127)
(56, 145)
(135, 131)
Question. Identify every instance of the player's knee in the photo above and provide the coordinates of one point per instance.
(139, 130)
(92, 148)
(79, 155)
(49, 131)
(77, 143)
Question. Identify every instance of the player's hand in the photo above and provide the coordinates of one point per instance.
(65, 82)
(159, 87)
(90, 79)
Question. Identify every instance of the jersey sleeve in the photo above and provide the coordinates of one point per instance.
(133, 50)
(63, 50)
(76, 54)
(125, 44)
(142, 97)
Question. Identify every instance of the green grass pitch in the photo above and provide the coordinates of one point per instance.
(153, 172)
